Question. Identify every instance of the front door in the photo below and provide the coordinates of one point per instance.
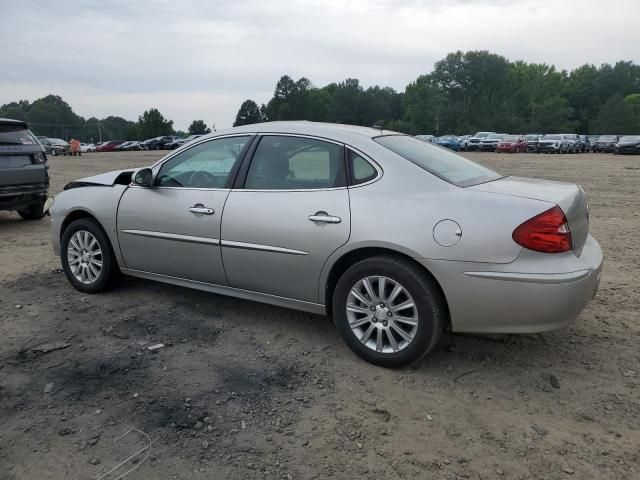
(173, 227)
(291, 214)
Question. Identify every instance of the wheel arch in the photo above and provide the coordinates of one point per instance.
(347, 259)
(79, 214)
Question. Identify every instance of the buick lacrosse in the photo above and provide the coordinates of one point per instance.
(396, 239)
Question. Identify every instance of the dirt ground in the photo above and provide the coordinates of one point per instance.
(248, 391)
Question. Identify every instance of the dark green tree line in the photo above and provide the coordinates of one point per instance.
(467, 92)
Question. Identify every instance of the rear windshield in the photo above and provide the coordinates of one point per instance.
(631, 138)
(552, 137)
(607, 138)
(16, 135)
(443, 163)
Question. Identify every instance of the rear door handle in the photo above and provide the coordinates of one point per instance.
(202, 210)
(324, 217)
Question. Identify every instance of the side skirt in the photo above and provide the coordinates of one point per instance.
(310, 307)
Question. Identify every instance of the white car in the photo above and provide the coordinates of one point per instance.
(87, 147)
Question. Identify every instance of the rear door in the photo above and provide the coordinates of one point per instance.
(290, 212)
(173, 228)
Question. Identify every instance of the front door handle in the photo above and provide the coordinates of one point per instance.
(324, 217)
(200, 209)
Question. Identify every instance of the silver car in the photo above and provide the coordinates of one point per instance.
(395, 238)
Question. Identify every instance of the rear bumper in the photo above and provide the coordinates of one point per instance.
(535, 293)
(13, 197)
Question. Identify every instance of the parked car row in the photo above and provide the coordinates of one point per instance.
(165, 142)
(537, 143)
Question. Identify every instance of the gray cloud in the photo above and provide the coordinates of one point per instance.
(198, 59)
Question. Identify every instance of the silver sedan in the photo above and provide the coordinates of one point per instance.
(397, 239)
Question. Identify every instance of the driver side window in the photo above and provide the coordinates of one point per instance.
(206, 165)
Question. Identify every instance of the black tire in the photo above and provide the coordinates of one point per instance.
(110, 272)
(428, 299)
(53, 152)
(32, 212)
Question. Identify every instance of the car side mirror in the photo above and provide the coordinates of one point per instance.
(143, 177)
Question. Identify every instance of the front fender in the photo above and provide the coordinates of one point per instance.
(99, 202)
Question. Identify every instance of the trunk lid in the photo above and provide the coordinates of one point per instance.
(570, 197)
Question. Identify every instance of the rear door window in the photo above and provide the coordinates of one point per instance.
(295, 163)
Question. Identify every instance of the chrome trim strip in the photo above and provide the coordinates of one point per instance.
(302, 305)
(546, 278)
(262, 248)
(174, 236)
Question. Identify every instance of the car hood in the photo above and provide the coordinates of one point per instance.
(117, 177)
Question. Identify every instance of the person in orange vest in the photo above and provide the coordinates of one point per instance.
(75, 147)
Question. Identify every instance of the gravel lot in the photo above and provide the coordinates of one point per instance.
(243, 390)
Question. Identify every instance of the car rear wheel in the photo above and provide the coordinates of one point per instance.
(389, 311)
(32, 212)
(88, 260)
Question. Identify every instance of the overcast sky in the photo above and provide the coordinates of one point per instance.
(201, 59)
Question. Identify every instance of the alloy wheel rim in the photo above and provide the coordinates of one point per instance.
(85, 257)
(382, 314)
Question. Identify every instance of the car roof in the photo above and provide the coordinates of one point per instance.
(11, 121)
(334, 131)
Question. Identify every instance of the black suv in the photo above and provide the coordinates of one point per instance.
(24, 174)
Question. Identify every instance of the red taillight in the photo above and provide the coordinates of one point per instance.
(548, 232)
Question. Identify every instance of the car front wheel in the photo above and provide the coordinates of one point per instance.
(389, 311)
(88, 260)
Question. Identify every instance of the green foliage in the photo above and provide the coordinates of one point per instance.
(153, 124)
(249, 113)
(53, 117)
(198, 127)
(467, 92)
(617, 115)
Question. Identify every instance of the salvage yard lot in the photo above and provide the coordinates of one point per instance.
(243, 390)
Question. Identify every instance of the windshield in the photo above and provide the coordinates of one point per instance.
(443, 163)
(532, 137)
(631, 138)
(494, 136)
(16, 135)
(57, 141)
(552, 137)
(481, 134)
(510, 138)
(607, 138)
(448, 138)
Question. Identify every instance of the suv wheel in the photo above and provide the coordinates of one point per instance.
(87, 257)
(389, 311)
(32, 212)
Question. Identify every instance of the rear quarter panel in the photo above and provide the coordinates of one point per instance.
(400, 211)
